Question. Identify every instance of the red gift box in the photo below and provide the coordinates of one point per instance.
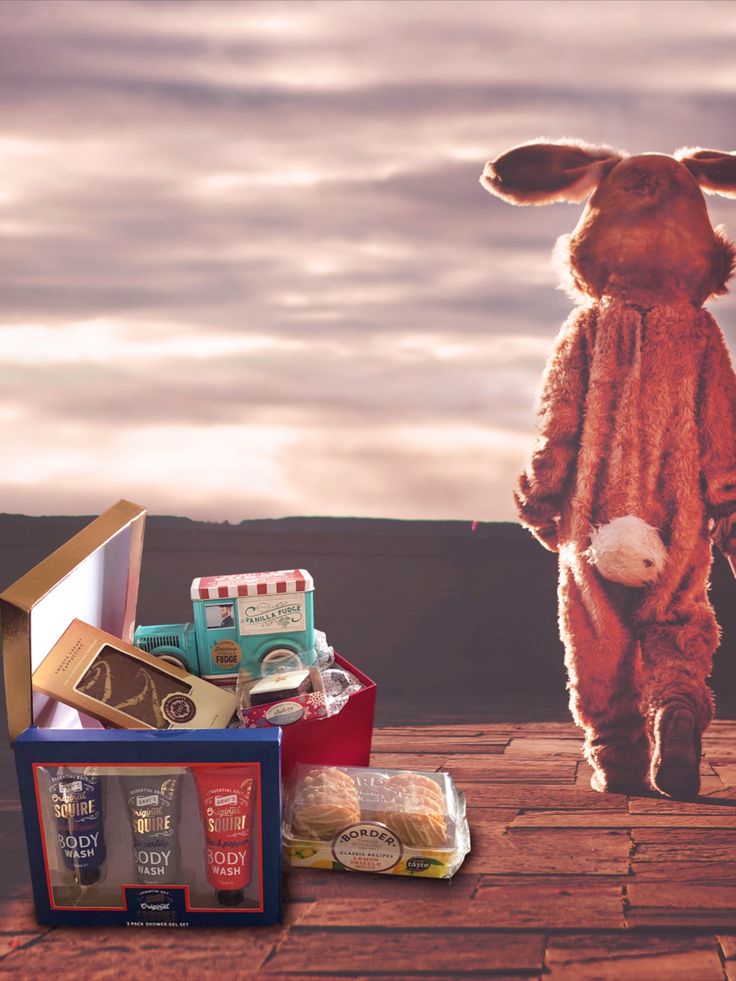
(340, 740)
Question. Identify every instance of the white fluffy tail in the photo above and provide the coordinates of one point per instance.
(628, 551)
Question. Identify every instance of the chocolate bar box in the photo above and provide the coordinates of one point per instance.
(124, 687)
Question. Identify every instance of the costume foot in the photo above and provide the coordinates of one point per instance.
(618, 783)
(676, 757)
(619, 768)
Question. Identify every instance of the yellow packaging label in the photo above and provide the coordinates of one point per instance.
(429, 863)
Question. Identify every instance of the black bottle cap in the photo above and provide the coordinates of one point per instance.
(87, 877)
(230, 897)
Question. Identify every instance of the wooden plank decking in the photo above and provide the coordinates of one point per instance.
(562, 883)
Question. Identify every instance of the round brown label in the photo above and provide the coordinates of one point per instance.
(178, 708)
(226, 654)
(367, 847)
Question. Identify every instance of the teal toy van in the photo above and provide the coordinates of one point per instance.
(256, 623)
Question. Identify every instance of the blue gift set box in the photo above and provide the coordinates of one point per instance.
(138, 827)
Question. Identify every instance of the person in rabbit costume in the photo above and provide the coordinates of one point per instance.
(634, 466)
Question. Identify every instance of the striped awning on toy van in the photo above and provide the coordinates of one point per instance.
(252, 584)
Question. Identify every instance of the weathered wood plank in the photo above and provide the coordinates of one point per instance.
(353, 951)
(18, 925)
(554, 902)
(627, 957)
(549, 729)
(539, 796)
(437, 744)
(727, 943)
(500, 903)
(583, 773)
(655, 853)
(492, 817)
(711, 784)
(674, 845)
(17, 916)
(499, 769)
(724, 796)
(548, 852)
(678, 871)
(726, 773)
(678, 837)
(662, 805)
(127, 955)
(659, 904)
(610, 819)
(312, 884)
(114, 954)
(408, 761)
(450, 732)
(720, 747)
(529, 747)
(431, 913)
(468, 735)
(384, 975)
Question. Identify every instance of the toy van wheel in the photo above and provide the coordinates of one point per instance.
(280, 659)
(172, 659)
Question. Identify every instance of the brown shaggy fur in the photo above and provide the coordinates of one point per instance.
(637, 416)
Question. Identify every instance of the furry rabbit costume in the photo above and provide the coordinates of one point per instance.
(635, 461)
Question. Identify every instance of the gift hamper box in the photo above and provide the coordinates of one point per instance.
(171, 819)
(344, 738)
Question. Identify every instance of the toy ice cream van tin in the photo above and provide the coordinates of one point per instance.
(254, 623)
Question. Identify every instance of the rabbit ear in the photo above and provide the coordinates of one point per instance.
(714, 170)
(542, 173)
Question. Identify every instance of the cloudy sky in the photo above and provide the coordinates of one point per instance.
(247, 268)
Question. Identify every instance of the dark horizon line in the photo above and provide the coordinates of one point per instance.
(290, 522)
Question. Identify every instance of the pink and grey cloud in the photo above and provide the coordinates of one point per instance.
(247, 269)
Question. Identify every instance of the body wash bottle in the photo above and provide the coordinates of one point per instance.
(153, 802)
(227, 796)
(76, 804)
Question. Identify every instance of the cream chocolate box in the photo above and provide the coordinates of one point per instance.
(122, 686)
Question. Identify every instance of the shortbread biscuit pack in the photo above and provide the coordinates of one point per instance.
(369, 819)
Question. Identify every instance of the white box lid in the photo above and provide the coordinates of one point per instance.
(93, 577)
